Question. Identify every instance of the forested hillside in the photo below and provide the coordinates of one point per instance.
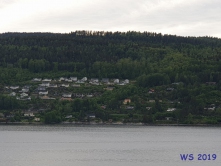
(165, 71)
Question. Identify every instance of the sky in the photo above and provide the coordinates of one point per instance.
(176, 17)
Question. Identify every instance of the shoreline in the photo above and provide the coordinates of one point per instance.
(101, 124)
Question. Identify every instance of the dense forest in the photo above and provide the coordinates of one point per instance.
(165, 71)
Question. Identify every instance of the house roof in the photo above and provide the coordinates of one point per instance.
(126, 101)
(69, 99)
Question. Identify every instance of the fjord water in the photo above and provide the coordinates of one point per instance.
(108, 145)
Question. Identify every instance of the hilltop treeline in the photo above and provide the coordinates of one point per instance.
(114, 55)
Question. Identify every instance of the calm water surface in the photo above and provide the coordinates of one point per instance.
(107, 145)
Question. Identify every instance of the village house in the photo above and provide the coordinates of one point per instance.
(103, 106)
(84, 79)
(47, 98)
(26, 87)
(116, 81)
(36, 79)
(126, 101)
(80, 82)
(171, 109)
(94, 80)
(41, 88)
(151, 91)
(68, 80)
(53, 85)
(10, 115)
(78, 95)
(68, 116)
(170, 89)
(92, 116)
(169, 118)
(76, 85)
(212, 107)
(12, 94)
(62, 79)
(65, 85)
(110, 83)
(64, 98)
(176, 83)
(95, 83)
(14, 87)
(23, 95)
(109, 88)
(43, 92)
(46, 80)
(126, 81)
(211, 83)
(25, 90)
(46, 84)
(29, 114)
(67, 95)
(74, 79)
(129, 107)
(89, 95)
(23, 98)
(37, 119)
(105, 80)
(121, 83)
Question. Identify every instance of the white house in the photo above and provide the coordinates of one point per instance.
(25, 90)
(68, 80)
(61, 79)
(14, 87)
(116, 81)
(29, 114)
(74, 78)
(23, 95)
(80, 82)
(76, 85)
(46, 84)
(148, 108)
(53, 85)
(122, 83)
(171, 109)
(93, 80)
(65, 85)
(129, 107)
(68, 116)
(37, 119)
(126, 81)
(67, 95)
(12, 94)
(91, 116)
(41, 88)
(84, 79)
(89, 95)
(46, 80)
(43, 93)
(36, 79)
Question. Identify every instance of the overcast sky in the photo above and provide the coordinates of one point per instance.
(177, 17)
